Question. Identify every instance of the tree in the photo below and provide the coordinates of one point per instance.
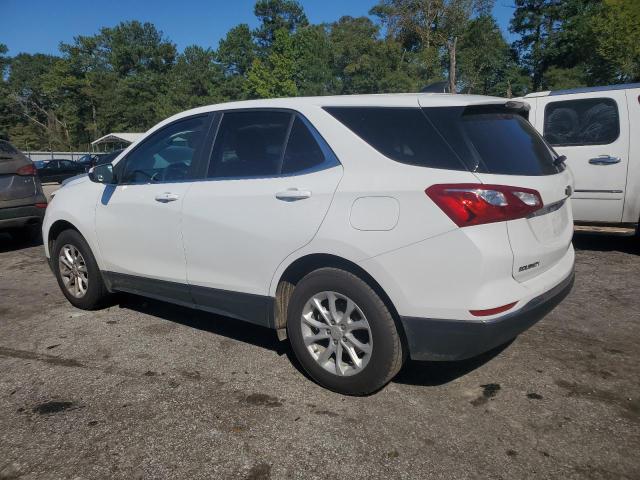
(617, 30)
(274, 76)
(432, 26)
(193, 81)
(484, 56)
(276, 15)
(236, 51)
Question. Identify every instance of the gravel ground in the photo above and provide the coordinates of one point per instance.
(144, 389)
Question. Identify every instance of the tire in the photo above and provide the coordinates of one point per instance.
(375, 368)
(95, 290)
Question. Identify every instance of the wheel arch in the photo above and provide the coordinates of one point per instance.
(57, 228)
(306, 264)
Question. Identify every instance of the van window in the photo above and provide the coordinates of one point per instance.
(588, 121)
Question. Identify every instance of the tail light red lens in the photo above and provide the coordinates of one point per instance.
(27, 170)
(41, 205)
(470, 204)
(492, 311)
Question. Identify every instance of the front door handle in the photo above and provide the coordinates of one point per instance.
(167, 197)
(604, 160)
(293, 194)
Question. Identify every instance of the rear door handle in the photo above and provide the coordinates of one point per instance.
(293, 194)
(604, 160)
(167, 197)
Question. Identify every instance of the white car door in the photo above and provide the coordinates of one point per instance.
(138, 220)
(592, 130)
(271, 179)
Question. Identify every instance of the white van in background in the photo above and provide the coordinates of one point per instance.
(598, 130)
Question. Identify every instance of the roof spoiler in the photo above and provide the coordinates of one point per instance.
(518, 105)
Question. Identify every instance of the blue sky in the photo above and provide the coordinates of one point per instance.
(40, 25)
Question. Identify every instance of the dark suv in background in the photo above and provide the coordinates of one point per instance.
(22, 201)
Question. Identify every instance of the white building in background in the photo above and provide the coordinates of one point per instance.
(114, 141)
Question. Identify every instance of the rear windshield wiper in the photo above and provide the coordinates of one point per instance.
(559, 160)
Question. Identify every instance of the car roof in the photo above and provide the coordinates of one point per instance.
(570, 91)
(373, 100)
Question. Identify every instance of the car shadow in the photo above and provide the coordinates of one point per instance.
(432, 374)
(11, 244)
(606, 243)
(413, 372)
(209, 322)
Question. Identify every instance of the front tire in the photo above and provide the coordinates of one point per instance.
(342, 333)
(77, 272)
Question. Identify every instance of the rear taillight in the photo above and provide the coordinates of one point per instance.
(41, 205)
(475, 204)
(27, 170)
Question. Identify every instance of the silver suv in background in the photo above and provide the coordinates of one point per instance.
(22, 201)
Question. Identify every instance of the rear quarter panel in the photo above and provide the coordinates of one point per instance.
(369, 174)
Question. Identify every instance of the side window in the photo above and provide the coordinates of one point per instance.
(249, 144)
(303, 151)
(167, 155)
(589, 121)
(67, 164)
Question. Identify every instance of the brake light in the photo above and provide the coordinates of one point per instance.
(41, 205)
(470, 204)
(27, 170)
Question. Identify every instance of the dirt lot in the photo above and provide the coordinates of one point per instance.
(144, 389)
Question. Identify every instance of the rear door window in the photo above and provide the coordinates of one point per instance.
(588, 121)
(249, 144)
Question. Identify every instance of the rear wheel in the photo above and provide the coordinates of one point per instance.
(342, 332)
(77, 271)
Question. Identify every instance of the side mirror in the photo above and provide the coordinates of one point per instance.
(102, 174)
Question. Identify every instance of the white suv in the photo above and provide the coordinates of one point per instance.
(363, 228)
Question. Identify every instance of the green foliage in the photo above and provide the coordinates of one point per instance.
(275, 75)
(276, 15)
(130, 76)
(237, 50)
(617, 33)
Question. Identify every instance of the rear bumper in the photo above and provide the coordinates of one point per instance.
(17, 217)
(445, 340)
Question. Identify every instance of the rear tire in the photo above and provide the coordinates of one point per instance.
(333, 312)
(77, 272)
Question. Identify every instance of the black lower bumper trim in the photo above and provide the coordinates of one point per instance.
(438, 339)
(15, 217)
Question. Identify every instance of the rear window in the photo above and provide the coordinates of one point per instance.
(483, 139)
(7, 149)
(402, 134)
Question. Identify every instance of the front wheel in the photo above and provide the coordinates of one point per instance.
(77, 271)
(342, 332)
